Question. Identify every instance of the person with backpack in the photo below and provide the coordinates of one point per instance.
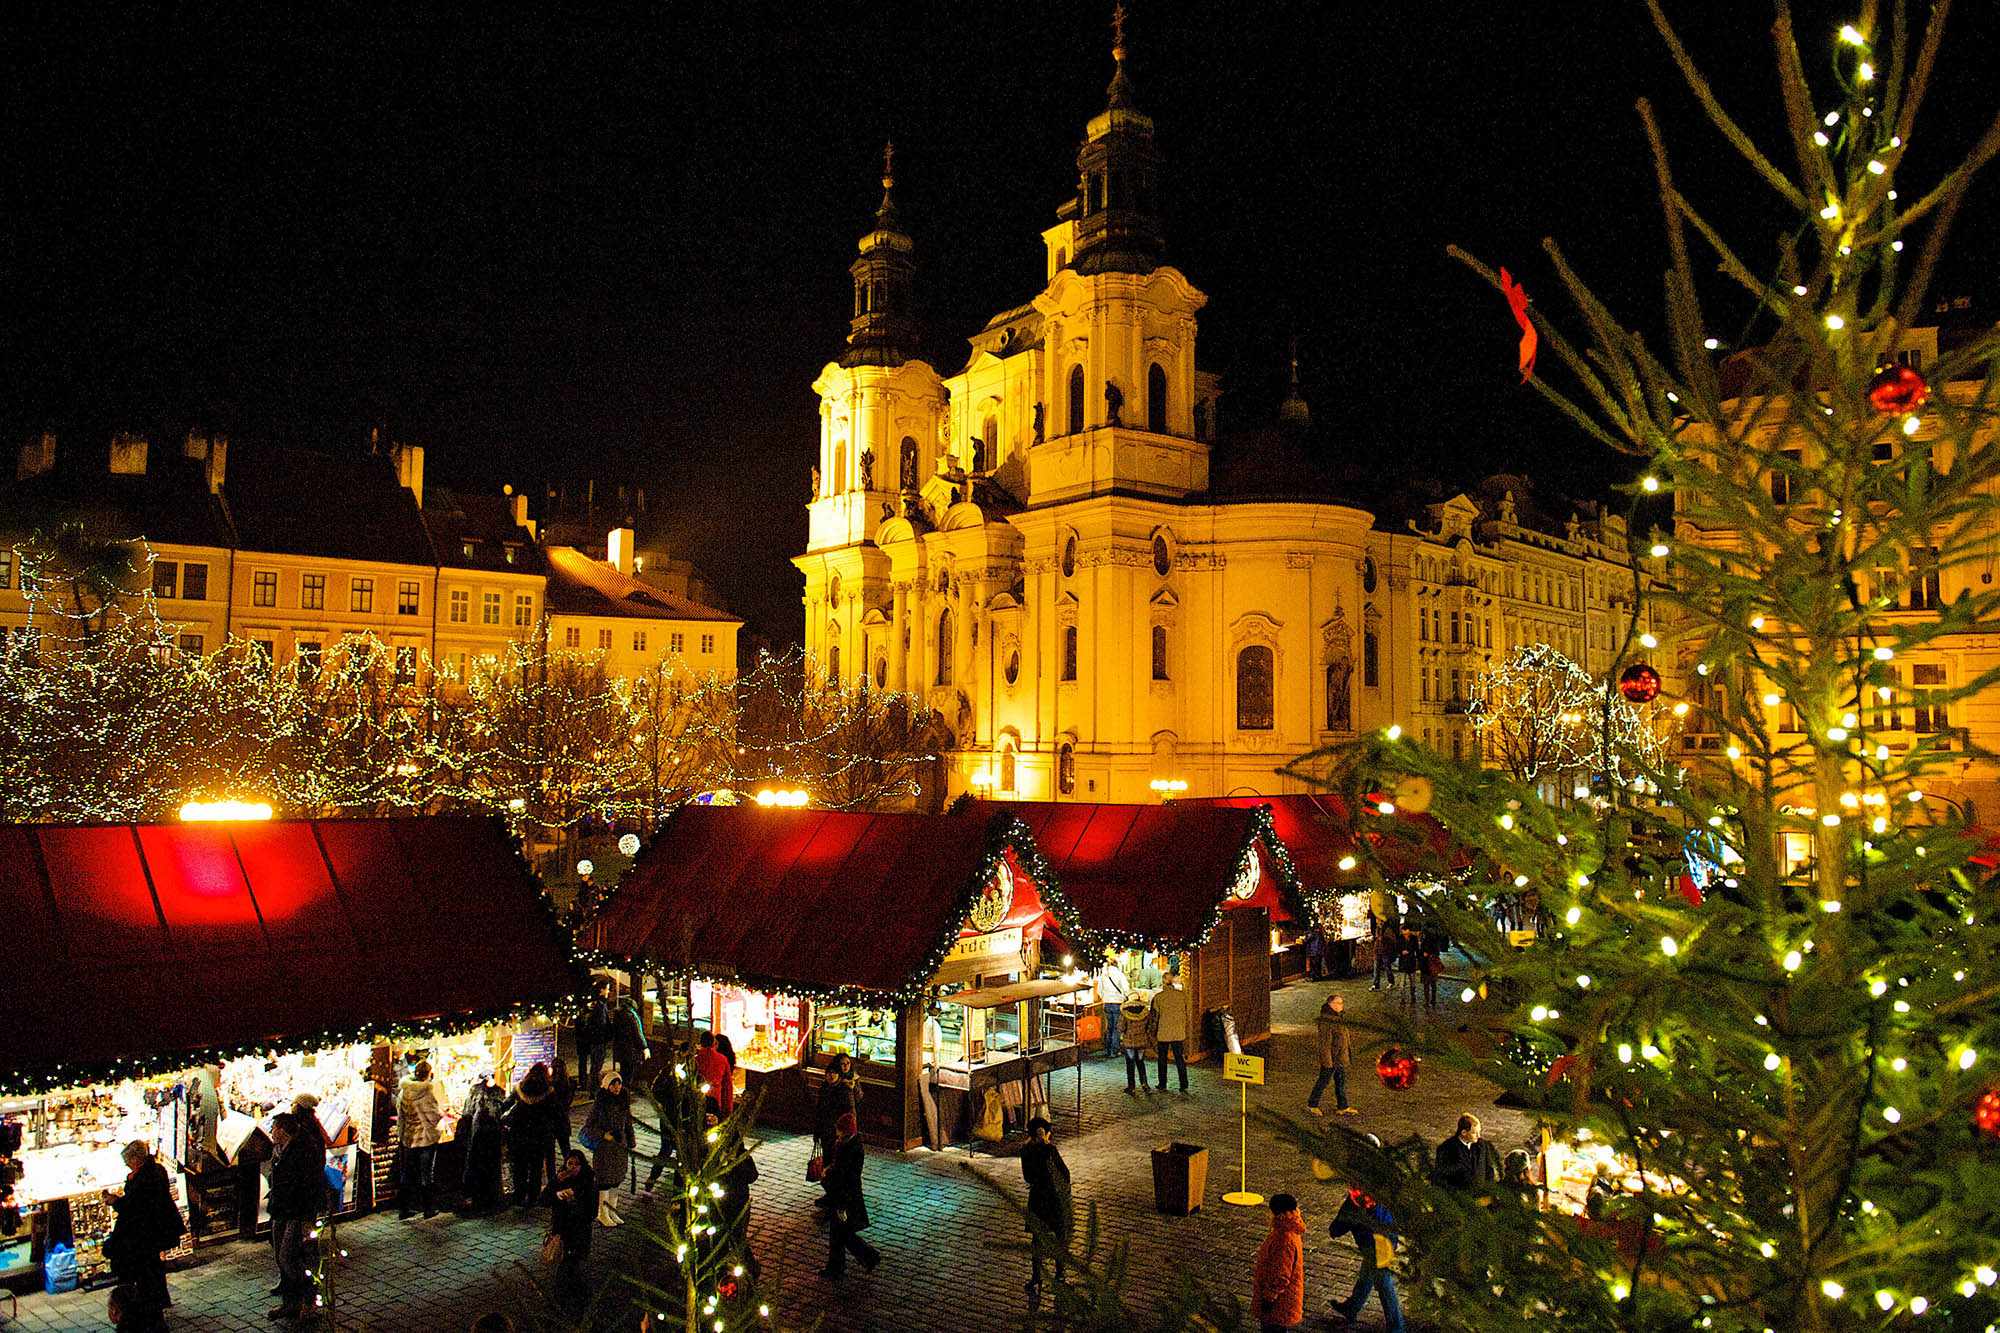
(1374, 1233)
(1136, 1034)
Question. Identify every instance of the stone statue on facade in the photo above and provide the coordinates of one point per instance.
(1039, 436)
(1339, 673)
(1114, 403)
(867, 469)
(908, 475)
(815, 492)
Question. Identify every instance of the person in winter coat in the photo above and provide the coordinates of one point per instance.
(609, 1134)
(712, 1071)
(735, 1203)
(1315, 954)
(1374, 1232)
(628, 1039)
(564, 1088)
(1466, 1160)
(1336, 1051)
(839, 1095)
(1137, 1036)
(484, 1137)
(1280, 1280)
(529, 1114)
(594, 1035)
(1047, 1178)
(850, 1206)
(572, 1199)
(298, 1194)
(147, 1223)
(305, 1109)
(419, 1111)
(1170, 1014)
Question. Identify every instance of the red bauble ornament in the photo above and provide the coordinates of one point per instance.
(1397, 1068)
(1897, 389)
(1640, 684)
(1986, 1113)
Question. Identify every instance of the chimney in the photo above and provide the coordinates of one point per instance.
(37, 457)
(214, 455)
(618, 549)
(128, 455)
(409, 460)
(517, 506)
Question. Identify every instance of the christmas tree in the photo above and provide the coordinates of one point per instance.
(1787, 1086)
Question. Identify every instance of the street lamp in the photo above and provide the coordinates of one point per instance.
(1168, 788)
(792, 799)
(210, 812)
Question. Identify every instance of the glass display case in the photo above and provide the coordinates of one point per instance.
(865, 1034)
(767, 1031)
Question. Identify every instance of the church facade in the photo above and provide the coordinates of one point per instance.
(1038, 546)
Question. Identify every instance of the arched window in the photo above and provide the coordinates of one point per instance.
(1007, 767)
(833, 664)
(1075, 399)
(1066, 768)
(989, 440)
(1069, 652)
(1371, 659)
(1156, 400)
(947, 646)
(1255, 668)
(906, 467)
(838, 481)
(1160, 653)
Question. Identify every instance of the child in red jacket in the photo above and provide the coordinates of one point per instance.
(1281, 1268)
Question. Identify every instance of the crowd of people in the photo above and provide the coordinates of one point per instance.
(1145, 1013)
(1407, 962)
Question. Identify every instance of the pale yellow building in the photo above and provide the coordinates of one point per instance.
(1050, 547)
(597, 606)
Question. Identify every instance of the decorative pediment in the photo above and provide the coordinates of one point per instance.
(1255, 625)
(1164, 600)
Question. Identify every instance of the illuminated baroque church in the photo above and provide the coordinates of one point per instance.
(1042, 547)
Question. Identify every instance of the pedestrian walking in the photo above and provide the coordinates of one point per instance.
(1280, 1280)
(147, 1222)
(1170, 1015)
(1385, 947)
(530, 1113)
(1316, 954)
(609, 1135)
(1336, 1052)
(573, 1201)
(1408, 959)
(1466, 1160)
(1050, 1213)
(1374, 1233)
(419, 1112)
(850, 1205)
(712, 1071)
(483, 1136)
(735, 1202)
(1112, 989)
(839, 1095)
(1433, 969)
(670, 1094)
(1137, 1036)
(628, 1038)
(298, 1193)
(594, 1035)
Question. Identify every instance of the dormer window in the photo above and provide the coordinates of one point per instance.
(512, 552)
(471, 550)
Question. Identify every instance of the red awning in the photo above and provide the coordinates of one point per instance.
(161, 942)
(806, 899)
(1315, 829)
(1154, 872)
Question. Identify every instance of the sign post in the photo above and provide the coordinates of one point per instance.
(1243, 1070)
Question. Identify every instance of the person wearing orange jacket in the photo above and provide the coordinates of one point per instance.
(1281, 1269)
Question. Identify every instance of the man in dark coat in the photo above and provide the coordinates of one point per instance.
(147, 1223)
(530, 1113)
(1047, 1177)
(850, 1208)
(1465, 1160)
(572, 1201)
(628, 1040)
(594, 1035)
(298, 1193)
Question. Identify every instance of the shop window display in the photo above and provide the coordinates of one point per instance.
(866, 1034)
(767, 1031)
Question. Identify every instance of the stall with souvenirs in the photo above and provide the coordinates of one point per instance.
(912, 944)
(205, 920)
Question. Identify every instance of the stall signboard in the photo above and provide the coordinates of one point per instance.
(992, 944)
(1243, 1068)
(534, 1046)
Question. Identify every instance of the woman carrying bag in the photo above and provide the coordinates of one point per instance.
(573, 1201)
(609, 1134)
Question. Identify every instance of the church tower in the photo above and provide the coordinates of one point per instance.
(881, 410)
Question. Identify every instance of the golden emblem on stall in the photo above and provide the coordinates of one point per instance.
(996, 899)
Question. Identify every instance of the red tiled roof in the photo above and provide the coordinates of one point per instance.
(1156, 872)
(156, 942)
(580, 586)
(805, 899)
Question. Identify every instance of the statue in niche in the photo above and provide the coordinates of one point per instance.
(815, 494)
(978, 454)
(1339, 672)
(867, 469)
(1114, 403)
(1039, 436)
(908, 477)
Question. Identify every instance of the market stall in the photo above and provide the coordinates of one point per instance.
(179, 983)
(1190, 888)
(913, 943)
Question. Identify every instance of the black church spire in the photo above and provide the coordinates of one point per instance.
(884, 330)
(1118, 227)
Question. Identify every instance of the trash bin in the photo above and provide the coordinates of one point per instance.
(1219, 1025)
(1180, 1177)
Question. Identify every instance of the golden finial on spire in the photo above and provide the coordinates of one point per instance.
(888, 163)
(1118, 32)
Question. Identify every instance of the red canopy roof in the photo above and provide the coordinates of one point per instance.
(164, 943)
(817, 900)
(1314, 827)
(1150, 872)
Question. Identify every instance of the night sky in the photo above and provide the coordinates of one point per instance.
(613, 243)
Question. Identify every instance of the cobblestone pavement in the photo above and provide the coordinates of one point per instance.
(934, 1224)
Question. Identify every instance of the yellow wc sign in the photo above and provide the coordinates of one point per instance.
(1243, 1068)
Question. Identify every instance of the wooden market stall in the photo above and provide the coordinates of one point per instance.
(178, 983)
(916, 944)
(1182, 885)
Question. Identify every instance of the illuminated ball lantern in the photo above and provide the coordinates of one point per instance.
(1397, 1069)
(1986, 1114)
(1639, 684)
(1896, 390)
